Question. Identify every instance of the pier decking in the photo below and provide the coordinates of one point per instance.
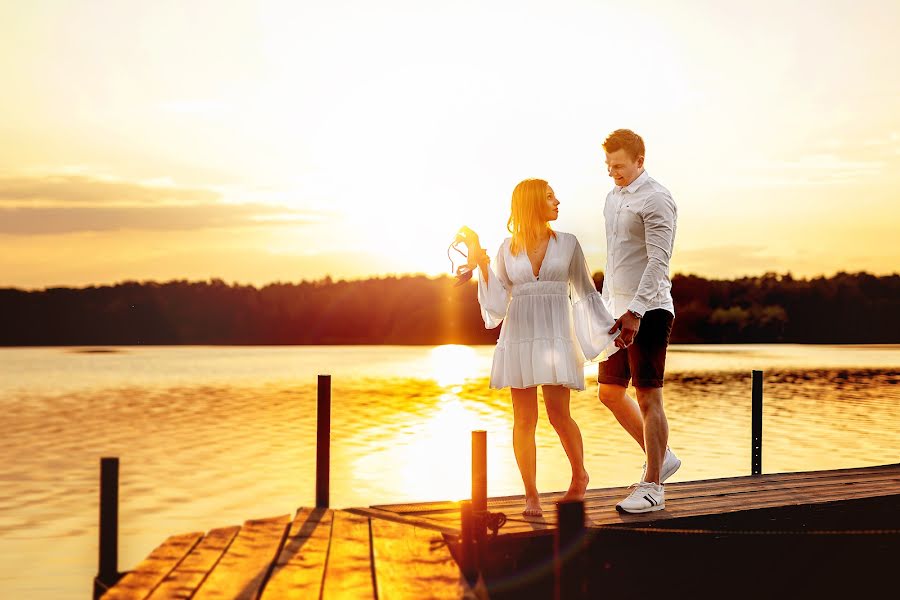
(404, 550)
(685, 499)
(321, 553)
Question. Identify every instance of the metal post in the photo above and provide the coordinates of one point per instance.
(756, 425)
(323, 440)
(108, 571)
(479, 472)
(568, 551)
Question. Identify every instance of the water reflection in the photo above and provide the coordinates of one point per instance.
(213, 436)
(453, 364)
(430, 457)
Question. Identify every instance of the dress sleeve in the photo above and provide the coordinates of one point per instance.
(493, 291)
(592, 319)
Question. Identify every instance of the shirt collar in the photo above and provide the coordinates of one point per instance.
(634, 185)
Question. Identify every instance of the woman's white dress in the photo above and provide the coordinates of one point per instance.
(552, 323)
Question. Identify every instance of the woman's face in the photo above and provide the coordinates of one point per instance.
(552, 205)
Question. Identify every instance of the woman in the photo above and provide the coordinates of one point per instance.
(540, 342)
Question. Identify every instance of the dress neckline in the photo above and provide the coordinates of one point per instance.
(543, 260)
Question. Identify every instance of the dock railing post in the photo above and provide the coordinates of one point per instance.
(468, 562)
(323, 441)
(479, 482)
(568, 552)
(108, 570)
(756, 425)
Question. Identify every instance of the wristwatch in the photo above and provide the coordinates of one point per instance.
(635, 314)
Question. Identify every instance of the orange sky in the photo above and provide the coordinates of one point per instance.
(266, 141)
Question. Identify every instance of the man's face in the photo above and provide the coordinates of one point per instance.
(622, 168)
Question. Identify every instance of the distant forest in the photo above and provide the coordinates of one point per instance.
(845, 308)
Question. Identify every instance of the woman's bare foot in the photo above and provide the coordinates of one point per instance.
(577, 488)
(533, 507)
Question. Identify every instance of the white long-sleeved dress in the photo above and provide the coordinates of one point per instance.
(552, 323)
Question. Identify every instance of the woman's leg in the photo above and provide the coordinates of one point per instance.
(525, 415)
(556, 399)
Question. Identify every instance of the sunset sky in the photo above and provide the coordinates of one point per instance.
(281, 141)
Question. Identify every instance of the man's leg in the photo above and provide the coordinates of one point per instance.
(656, 430)
(648, 367)
(626, 410)
(613, 376)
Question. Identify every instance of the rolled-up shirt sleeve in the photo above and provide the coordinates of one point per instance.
(659, 215)
(592, 320)
(493, 291)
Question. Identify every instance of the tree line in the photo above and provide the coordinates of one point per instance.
(844, 308)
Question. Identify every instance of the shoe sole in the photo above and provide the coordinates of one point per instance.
(671, 471)
(641, 510)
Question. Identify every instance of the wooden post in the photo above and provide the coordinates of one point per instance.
(323, 440)
(568, 552)
(108, 571)
(468, 563)
(756, 425)
(479, 473)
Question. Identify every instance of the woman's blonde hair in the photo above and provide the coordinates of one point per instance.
(528, 215)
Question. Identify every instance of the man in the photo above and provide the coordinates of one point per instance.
(640, 220)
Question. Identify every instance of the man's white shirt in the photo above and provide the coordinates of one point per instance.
(640, 234)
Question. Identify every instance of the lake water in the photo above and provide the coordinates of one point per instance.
(212, 436)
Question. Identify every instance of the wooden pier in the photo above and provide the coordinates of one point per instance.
(686, 499)
(815, 534)
(321, 553)
(410, 550)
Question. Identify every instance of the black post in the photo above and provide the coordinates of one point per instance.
(756, 425)
(568, 552)
(323, 440)
(108, 572)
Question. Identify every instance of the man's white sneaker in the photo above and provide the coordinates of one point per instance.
(644, 497)
(671, 463)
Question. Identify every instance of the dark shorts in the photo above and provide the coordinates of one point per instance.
(644, 361)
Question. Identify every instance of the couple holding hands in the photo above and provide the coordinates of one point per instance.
(554, 319)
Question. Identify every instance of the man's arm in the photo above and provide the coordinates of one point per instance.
(659, 217)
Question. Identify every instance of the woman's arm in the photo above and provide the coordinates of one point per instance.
(592, 319)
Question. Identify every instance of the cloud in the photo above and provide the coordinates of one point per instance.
(21, 220)
(84, 189)
(77, 202)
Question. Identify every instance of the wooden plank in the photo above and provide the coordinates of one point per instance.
(678, 512)
(551, 497)
(300, 567)
(140, 582)
(348, 571)
(679, 490)
(190, 573)
(888, 485)
(242, 570)
(412, 563)
(409, 519)
(718, 505)
(602, 508)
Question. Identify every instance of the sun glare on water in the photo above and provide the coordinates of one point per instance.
(452, 364)
(430, 453)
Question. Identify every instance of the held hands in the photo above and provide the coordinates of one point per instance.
(629, 324)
